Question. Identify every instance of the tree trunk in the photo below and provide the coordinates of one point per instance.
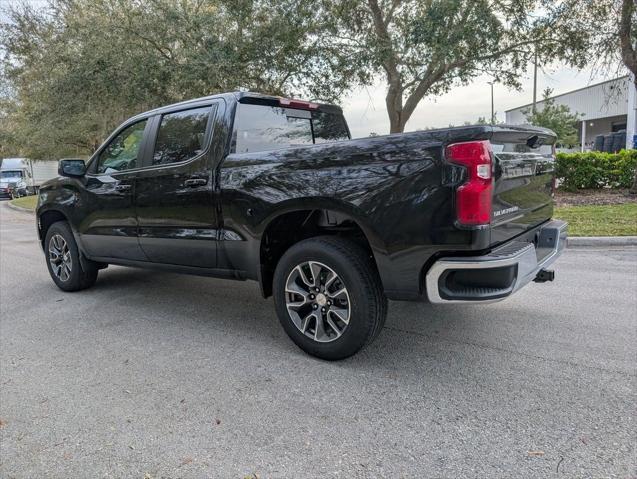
(395, 125)
(394, 102)
(628, 52)
(633, 189)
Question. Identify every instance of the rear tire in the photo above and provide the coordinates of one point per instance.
(63, 259)
(328, 297)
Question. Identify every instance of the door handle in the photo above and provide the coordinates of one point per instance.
(122, 187)
(192, 182)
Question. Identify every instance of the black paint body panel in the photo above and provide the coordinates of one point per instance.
(398, 189)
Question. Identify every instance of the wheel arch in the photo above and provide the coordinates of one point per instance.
(296, 223)
(46, 219)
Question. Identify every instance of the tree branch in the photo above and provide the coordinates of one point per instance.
(390, 14)
(389, 61)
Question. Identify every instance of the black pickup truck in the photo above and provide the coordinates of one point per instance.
(249, 186)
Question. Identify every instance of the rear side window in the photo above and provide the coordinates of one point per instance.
(181, 136)
(263, 128)
(328, 127)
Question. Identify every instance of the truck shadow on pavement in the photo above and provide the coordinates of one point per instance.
(413, 332)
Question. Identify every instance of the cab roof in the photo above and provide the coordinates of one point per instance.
(243, 97)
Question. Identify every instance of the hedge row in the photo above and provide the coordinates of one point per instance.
(577, 171)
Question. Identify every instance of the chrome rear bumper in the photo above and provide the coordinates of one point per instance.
(497, 275)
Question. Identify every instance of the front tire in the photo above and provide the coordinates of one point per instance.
(63, 259)
(328, 297)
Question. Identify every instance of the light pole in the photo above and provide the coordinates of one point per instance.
(534, 80)
(492, 109)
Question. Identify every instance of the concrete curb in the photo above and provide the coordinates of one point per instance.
(18, 208)
(601, 241)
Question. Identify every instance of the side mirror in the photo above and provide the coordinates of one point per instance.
(72, 168)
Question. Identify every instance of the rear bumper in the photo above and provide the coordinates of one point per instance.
(499, 274)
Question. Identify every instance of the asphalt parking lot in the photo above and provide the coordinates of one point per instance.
(153, 375)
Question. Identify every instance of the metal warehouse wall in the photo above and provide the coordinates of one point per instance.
(603, 100)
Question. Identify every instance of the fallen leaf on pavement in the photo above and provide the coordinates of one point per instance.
(536, 453)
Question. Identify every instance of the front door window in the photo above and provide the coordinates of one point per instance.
(123, 150)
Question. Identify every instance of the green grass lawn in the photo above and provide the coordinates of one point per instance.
(28, 202)
(600, 220)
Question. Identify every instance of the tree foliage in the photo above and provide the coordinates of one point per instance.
(71, 72)
(80, 67)
(558, 118)
(426, 47)
(609, 30)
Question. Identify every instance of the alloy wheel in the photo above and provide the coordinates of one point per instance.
(317, 301)
(60, 258)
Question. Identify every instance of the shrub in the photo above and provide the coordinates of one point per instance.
(592, 170)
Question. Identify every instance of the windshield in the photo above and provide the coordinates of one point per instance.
(10, 175)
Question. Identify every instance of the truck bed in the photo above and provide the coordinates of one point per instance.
(400, 189)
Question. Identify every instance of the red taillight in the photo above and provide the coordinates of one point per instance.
(289, 103)
(473, 198)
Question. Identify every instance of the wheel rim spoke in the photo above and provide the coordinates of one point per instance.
(315, 268)
(306, 322)
(296, 289)
(332, 276)
(304, 277)
(315, 311)
(338, 293)
(319, 329)
(341, 314)
(334, 327)
(296, 304)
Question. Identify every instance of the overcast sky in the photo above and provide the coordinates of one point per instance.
(365, 108)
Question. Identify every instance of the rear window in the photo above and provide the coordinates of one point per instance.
(263, 128)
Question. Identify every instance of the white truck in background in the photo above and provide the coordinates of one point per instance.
(21, 176)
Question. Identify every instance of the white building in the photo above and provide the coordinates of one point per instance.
(603, 108)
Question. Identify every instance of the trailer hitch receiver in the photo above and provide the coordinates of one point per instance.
(545, 275)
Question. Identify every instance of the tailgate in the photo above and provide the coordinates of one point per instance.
(523, 180)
